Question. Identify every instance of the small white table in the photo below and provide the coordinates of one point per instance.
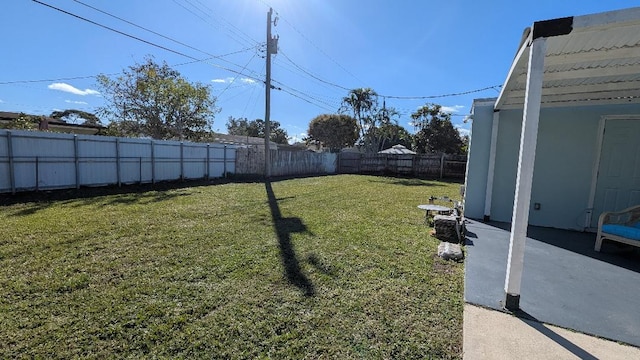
(433, 207)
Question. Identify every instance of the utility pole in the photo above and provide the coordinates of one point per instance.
(272, 48)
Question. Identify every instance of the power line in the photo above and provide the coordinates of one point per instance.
(255, 102)
(231, 82)
(314, 45)
(49, 80)
(212, 56)
(110, 74)
(144, 41)
(440, 96)
(237, 34)
(238, 30)
(142, 27)
(306, 100)
(303, 96)
(312, 75)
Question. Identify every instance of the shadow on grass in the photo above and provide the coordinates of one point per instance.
(126, 194)
(412, 181)
(284, 228)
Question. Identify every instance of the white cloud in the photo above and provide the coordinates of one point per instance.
(70, 89)
(297, 138)
(463, 131)
(232, 79)
(224, 81)
(76, 102)
(452, 109)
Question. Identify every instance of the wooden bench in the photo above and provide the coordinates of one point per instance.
(620, 226)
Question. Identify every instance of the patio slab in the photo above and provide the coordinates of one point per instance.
(490, 334)
(565, 282)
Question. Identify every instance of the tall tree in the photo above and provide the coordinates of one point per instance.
(256, 128)
(383, 130)
(159, 100)
(363, 104)
(76, 117)
(437, 133)
(394, 134)
(333, 131)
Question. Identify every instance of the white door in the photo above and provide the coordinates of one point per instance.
(618, 182)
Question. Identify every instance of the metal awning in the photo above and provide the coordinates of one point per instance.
(589, 60)
(572, 61)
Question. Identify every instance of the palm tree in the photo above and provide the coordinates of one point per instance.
(363, 104)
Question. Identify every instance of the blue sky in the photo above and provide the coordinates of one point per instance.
(400, 48)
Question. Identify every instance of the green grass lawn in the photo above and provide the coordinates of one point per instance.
(328, 267)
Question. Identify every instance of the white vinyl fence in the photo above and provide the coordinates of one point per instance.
(33, 160)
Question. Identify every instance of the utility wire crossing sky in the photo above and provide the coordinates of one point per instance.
(409, 52)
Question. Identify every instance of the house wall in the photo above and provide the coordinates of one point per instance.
(566, 153)
(478, 160)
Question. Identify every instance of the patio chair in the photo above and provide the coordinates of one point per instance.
(620, 226)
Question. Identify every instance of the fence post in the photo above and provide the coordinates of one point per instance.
(181, 161)
(207, 163)
(140, 162)
(12, 175)
(118, 160)
(153, 164)
(37, 173)
(224, 162)
(386, 164)
(442, 166)
(76, 160)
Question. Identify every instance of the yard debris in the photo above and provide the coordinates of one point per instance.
(449, 251)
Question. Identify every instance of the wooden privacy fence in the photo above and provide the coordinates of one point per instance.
(33, 160)
(250, 161)
(423, 165)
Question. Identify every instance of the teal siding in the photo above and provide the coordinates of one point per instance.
(504, 182)
(478, 161)
(566, 152)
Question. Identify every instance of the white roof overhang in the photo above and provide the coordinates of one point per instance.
(589, 60)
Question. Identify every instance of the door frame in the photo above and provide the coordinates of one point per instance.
(596, 164)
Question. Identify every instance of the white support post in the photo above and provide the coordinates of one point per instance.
(524, 179)
(492, 165)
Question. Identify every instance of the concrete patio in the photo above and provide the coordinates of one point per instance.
(565, 282)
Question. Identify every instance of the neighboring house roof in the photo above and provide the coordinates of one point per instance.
(52, 124)
(398, 150)
(590, 59)
(243, 140)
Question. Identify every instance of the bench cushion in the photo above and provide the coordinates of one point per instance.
(622, 230)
